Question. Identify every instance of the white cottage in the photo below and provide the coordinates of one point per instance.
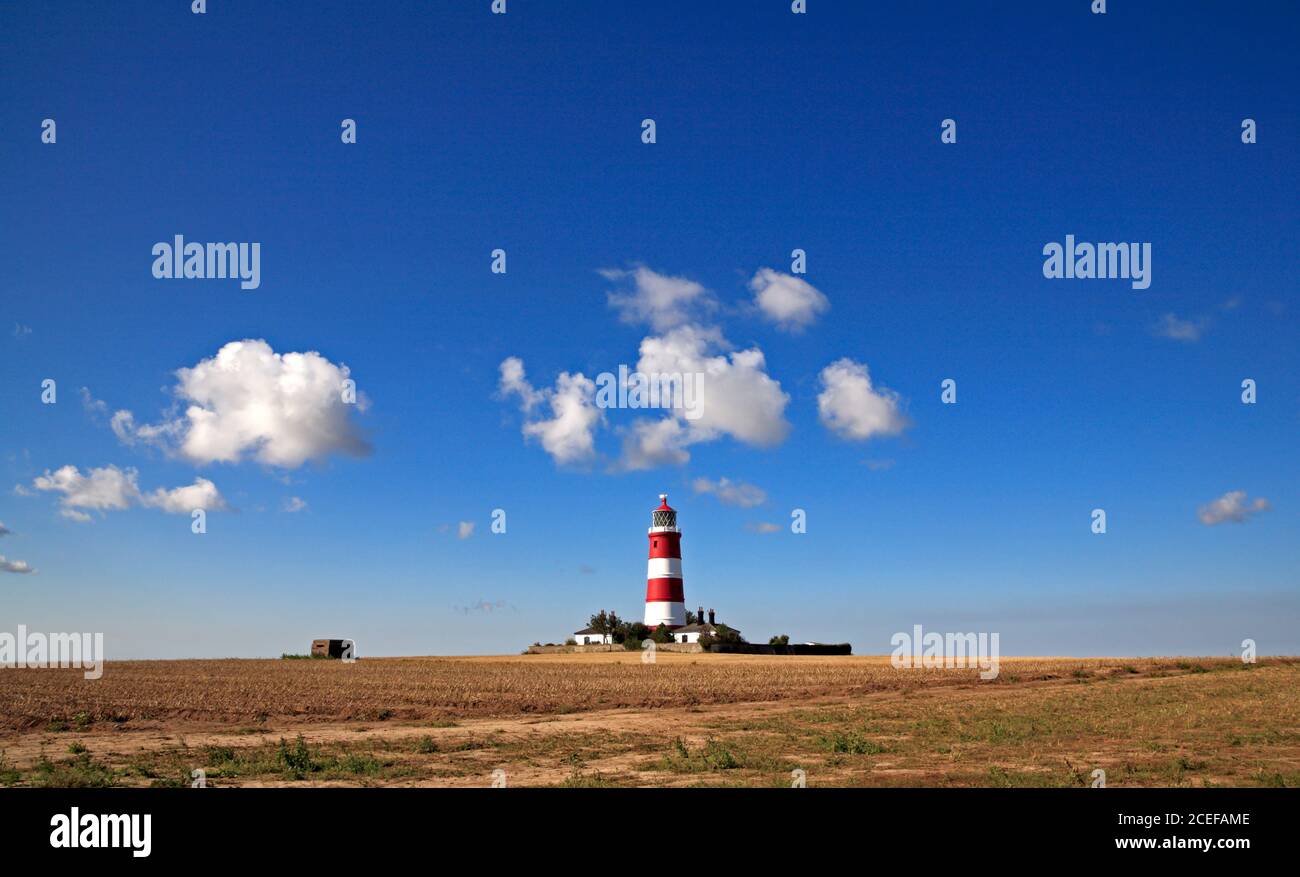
(592, 637)
(691, 632)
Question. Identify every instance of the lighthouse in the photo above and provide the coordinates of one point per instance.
(665, 601)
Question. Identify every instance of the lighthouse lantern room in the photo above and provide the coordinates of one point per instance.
(665, 599)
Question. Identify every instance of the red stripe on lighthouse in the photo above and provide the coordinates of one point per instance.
(666, 545)
(665, 591)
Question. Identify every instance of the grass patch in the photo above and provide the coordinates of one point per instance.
(850, 743)
(1000, 777)
(81, 772)
(9, 775)
(713, 755)
(577, 780)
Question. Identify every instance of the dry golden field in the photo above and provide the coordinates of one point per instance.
(609, 719)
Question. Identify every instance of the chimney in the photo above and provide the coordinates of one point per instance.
(699, 616)
(711, 621)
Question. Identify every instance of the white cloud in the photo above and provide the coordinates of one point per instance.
(104, 489)
(737, 398)
(21, 331)
(4, 531)
(281, 409)
(163, 435)
(513, 381)
(569, 434)
(294, 504)
(763, 527)
(790, 302)
(464, 529)
(652, 443)
(202, 494)
(1232, 506)
(1177, 329)
(94, 407)
(729, 492)
(15, 566)
(112, 489)
(850, 407)
(661, 301)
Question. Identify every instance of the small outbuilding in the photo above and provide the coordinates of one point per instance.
(589, 636)
(327, 648)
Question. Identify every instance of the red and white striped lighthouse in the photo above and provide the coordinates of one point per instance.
(665, 601)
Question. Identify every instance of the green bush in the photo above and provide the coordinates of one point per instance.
(663, 635)
(296, 760)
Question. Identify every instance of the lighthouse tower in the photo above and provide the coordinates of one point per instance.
(665, 601)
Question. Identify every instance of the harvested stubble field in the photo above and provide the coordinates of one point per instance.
(609, 719)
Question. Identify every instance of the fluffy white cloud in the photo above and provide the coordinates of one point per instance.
(15, 566)
(281, 409)
(202, 494)
(790, 302)
(569, 434)
(294, 504)
(515, 382)
(734, 396)
(653, 443)
(1171, 326)
(656, 299)
(112, 489)
(464, 529)
(729, 492)
(104, 489)
(850, 407)
(737, 398)
(763, 527)
(1232, 506)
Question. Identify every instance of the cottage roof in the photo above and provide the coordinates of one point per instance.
(698, 628)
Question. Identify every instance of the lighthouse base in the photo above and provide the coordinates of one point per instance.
(670, 614)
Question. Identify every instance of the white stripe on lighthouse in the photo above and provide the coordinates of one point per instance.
(664, 568)
(671, 614)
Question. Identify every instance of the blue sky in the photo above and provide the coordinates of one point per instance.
(773, 132)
